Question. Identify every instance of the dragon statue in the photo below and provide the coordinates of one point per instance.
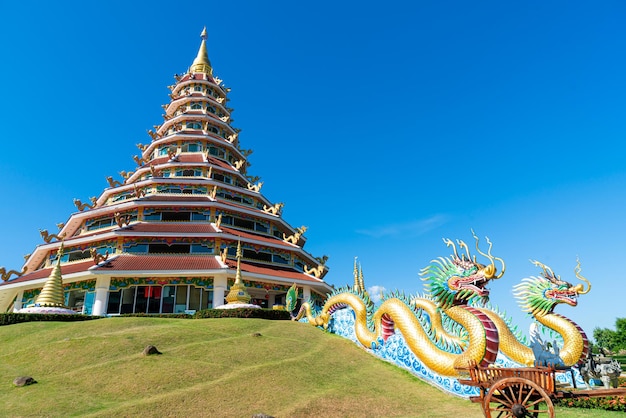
(441, 328)
(6, 275)
(97, 257)
(113, 183)
(539, 296)
(82, 206)
(48, 237)
(294, 238)
(275, 209)
(315, 271)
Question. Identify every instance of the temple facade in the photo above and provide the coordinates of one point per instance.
(163, 238)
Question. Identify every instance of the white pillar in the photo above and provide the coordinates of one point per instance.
(219, 290)
(306, 293)
(102, 291)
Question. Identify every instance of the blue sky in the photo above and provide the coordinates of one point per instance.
(384, 127)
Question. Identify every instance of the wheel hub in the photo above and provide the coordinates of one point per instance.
(519, 411)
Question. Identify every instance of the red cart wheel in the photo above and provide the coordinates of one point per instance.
(518, 398)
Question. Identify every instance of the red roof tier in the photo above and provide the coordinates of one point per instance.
(165, 262)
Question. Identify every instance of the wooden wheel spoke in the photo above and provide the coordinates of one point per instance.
(526, 399)
(504, 398)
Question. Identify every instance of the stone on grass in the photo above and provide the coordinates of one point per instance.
(261, 415)
(256, 334)
(24, 381)
(150, 350)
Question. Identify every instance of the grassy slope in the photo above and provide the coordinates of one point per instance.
(209, 367)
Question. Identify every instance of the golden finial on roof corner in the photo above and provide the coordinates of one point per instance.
(202, 64)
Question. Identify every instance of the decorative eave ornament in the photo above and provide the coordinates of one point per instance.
(202, 64)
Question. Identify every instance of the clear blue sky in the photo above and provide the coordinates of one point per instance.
(383, 126)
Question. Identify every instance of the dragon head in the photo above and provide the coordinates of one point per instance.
(460, 279)
(540, 295)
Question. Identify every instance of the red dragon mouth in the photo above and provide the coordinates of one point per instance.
(563, 296)
(473, 283)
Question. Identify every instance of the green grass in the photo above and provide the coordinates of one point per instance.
(209, 368)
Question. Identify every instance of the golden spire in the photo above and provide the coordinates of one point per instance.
(238, 293)
(361, 282)
(355, 272)
(239, 254)
(52, 292)
(202, 64)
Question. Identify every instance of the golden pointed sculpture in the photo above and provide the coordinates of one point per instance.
(52, 293)
(202, 64)
(355, 272)
(238, 293)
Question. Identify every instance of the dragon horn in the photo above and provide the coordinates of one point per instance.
(449, 243)
(462, 244)
(580, 286)
(547, 272)
(496, 258)
(489, 256)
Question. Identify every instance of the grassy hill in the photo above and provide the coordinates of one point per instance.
(209, 368)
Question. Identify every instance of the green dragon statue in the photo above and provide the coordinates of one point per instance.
(539, 296)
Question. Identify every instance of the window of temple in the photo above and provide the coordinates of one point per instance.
(218, 152)
(236, 197)
(195, 105)
(223, 178)
(75, 300)
(155, 299)
(243, 223)
(154, 248)
(191, 146)
(280, 259)
(122, 196)
(257, 255)
(193, 125)
(76, 254)
(99, 223)
(201, 216)
(175, 216)
(201, 249)
(298, 264)
(135, 248)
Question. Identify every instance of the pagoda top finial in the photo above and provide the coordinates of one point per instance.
(202, 64)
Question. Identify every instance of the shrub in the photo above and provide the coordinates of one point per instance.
(609, 403)
(16, 318)
(244, 313)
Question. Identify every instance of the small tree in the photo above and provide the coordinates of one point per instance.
(613, 341)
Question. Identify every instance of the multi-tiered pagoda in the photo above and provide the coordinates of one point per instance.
(164, 237)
